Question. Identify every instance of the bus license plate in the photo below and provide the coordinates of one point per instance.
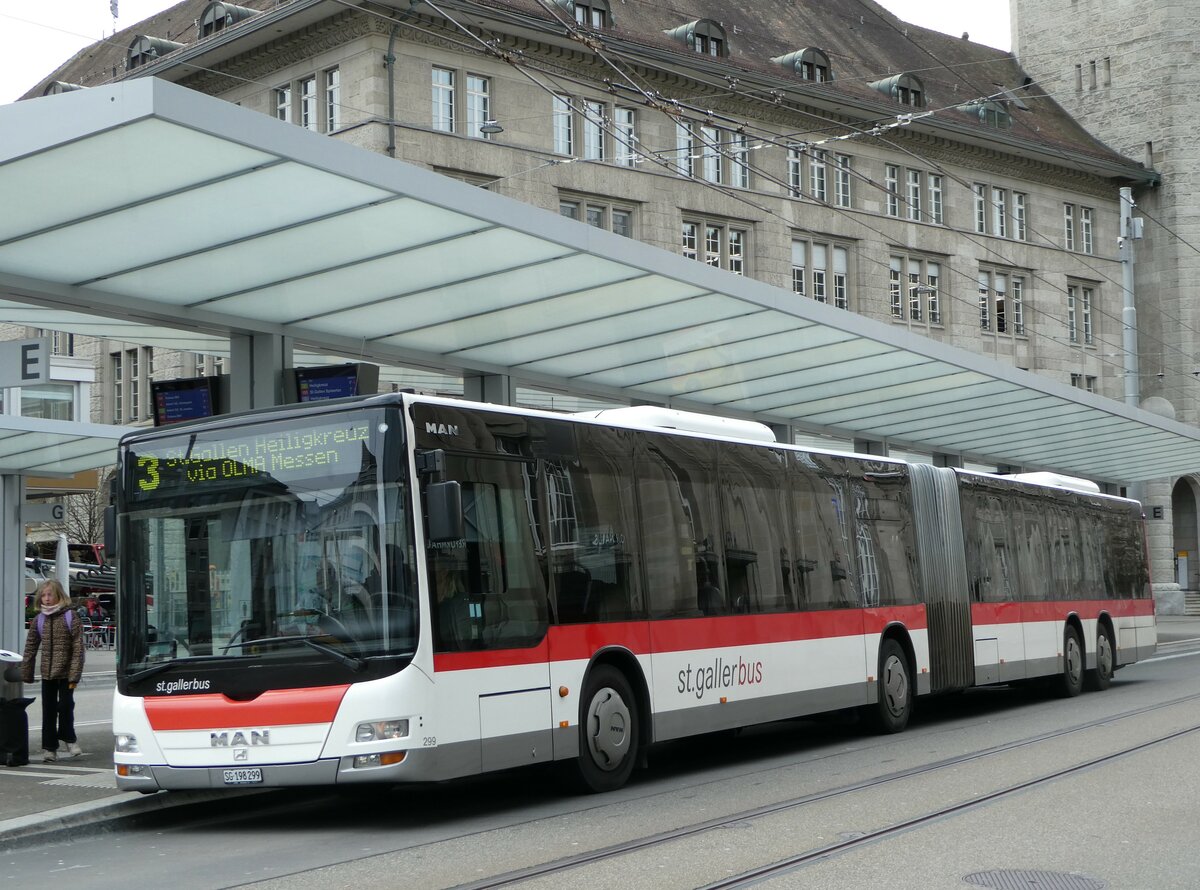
(243, 776)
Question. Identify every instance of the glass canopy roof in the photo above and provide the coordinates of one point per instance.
(149, 213)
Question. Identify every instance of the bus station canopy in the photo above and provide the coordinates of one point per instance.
(147, 212)
(33, 446)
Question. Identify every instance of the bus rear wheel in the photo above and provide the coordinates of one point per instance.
(1070, 684)
(891, 711)
(608, 731)
(1101, 678)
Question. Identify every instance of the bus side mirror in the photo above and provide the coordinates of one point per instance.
(443, 501)
(110, 533)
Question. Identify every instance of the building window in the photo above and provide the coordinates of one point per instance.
(1001, 302)
(118, 387)
(935, 199)
(1080, 300)
(980, 191)
(892, 181)
(333, 100)
(1084, 381)
(443, 100)
(1085, 229)
(716, 244)
(479, 105)
(1069, 226)
(308, 103)
(795, 171)
(914, 288)
(599, 213)
(684, 148)
(841, 182)
(999, 213)
(134, 374)
(1020, 227)
(62, 343)
(593, 130)
(820, 270)
(283, 102)
(564, 126)
(625, 135)
(710, 148)
(816, 175)
(739, 162)
(914, 194)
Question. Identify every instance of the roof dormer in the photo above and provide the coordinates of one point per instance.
(989, 112)
(589, 13)
(703, 36)
(219, 16)
(54, 87)
(906, 89)
(145, 50)
(810, 63)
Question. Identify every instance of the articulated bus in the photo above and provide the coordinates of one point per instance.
(403, 588)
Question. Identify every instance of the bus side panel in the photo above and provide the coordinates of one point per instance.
(999, 643)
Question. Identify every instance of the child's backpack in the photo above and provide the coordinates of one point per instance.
(41, 621)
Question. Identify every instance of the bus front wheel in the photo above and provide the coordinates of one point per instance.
(608, 731)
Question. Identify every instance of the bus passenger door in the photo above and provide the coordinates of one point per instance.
(490, 617)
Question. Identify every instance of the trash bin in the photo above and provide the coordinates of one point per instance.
(14, 722)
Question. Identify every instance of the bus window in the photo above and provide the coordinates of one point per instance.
(989, 551)
(884, 536)
(1065, 556)
(676, 486)
(593, 529)
(821, 535)
(755, 509)
(1032, 557)
(489, 589)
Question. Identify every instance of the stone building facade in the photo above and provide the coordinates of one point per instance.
(1124, 70)
(829, 149)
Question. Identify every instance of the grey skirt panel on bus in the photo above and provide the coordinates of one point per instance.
(942, 570)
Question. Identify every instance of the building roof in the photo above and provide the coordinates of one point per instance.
(376, 258)
(865, 43)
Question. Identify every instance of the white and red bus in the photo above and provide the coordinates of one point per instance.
(402, 588)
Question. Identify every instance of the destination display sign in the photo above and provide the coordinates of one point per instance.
(207, 461)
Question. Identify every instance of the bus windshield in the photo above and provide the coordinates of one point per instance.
(274, 541)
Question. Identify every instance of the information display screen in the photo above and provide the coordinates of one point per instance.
(179, 400)
(327, 450)
(316, 384)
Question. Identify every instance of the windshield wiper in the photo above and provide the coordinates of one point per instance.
(355, 664)
(151, 671)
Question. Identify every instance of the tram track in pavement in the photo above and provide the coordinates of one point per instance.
(800, 860)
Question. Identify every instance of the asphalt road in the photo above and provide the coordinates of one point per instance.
(1099, 790)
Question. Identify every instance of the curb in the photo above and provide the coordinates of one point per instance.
(118, 806)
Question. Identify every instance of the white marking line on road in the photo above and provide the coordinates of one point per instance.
(1168, 657)
(1179, 642)
(93, 722)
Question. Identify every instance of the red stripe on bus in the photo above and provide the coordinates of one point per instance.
(580, 642)
(1014, 613)
(276, 707)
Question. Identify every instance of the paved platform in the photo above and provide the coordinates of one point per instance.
(41, 798)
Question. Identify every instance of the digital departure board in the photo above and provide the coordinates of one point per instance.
(179, 400)
(214, 460)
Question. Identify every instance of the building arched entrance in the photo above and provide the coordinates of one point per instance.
(1186, 532)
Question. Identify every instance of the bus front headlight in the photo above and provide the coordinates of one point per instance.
(380, 730)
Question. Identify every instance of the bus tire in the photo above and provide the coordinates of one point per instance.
(894, 705)
(1070, 684)
(609, 733)
(1101, 678)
